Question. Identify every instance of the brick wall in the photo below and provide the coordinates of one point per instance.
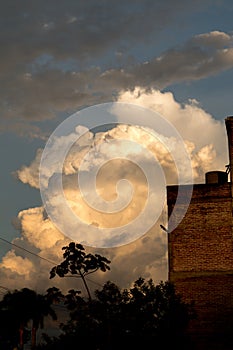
(200, 252)
(201, 257)
(213, 296)
(203, 239)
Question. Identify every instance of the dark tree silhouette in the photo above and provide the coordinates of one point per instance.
(77, 263)
(17, 304)
(42, 307)
(26, 305)
(144, 316)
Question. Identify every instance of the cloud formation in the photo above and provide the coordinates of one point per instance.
(59, 76)
(208, 150)
(62, 58)
(146, 256)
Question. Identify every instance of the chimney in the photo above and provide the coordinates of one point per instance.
(216, 177)
(229, 128)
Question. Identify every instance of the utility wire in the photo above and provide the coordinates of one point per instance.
(28, 251)
(41, 257)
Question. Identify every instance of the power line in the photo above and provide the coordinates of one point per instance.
(28, 251)
(41, 257)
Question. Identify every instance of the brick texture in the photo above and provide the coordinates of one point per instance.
(200, 251)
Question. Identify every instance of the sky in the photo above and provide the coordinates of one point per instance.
(167, 60)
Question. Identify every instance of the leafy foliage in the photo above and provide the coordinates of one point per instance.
(78, 263)
(143, 316)
(21, 306)
(146, 315)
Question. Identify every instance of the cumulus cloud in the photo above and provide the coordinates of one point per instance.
(33, 221)
(208, 150)
(61, 58)
(147, 255)
(15, 263)
(30, 174)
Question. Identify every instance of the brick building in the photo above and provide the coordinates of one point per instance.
(200, 251)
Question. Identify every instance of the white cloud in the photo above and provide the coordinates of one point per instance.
(18, 265)
(190, 120)
(214, 39)
(37, 229)
(30, 174)
(147, 256)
